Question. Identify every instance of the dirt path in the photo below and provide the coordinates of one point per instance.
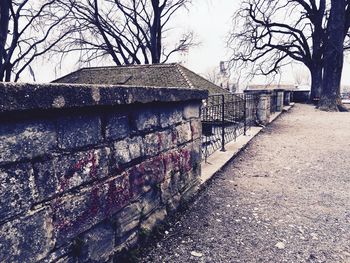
(286, 198)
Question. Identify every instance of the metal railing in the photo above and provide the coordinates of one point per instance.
(224, 118)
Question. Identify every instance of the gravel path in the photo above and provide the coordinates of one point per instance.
(285, 198)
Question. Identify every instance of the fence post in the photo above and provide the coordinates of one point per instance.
(223, 123)
(245, 114)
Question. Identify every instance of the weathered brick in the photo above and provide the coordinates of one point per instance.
(146, 175)
(128, 149)
(27, 239)
(170, 116)
(98, 244)
(184, 133)
(63, 173)
(191, 110)
(117, 127)
(16, 193)
(78, 212)
(145, 119)
(26, 140)
(79, 131)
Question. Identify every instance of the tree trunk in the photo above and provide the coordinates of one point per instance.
(4, 23)
(155, 31)
(316, 82)
(333, 58)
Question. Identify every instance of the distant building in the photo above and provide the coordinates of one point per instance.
(301, 93)
(155, 75)
(271, 87)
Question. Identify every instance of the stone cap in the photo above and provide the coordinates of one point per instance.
(24, 96)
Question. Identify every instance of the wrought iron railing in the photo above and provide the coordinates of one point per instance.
(224, 118)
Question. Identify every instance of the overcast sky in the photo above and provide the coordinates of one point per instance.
(210, 20)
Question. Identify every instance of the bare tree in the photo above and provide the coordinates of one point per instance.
(27, 31)
(129, 31)
(214, 76)
(337, 31)
(273, 33)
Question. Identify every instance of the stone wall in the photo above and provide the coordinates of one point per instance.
(85, 170)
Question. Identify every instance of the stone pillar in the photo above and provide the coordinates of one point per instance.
(263, 111)
(279, 102)
(287, 95)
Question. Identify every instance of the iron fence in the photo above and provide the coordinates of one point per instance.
(224, 118)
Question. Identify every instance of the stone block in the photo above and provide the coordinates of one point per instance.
(196, 128)
(154, 143)
(26, 140)
(153, 220)
(121, 152)
(171, 162)
(173, 204)
(74, 214)
(170, 116)
(136, 148)
(191, 110)
(63, 173)
(27, 239)
(126, 243)
(190, 191)
(127, 220)
(79, 131)
(62, 254)
(117, 194)
(128, 149)
(150, 202)
(184, 133)
(117, 127)
(186, 163)
(146, 175)
(16, 191)
(97, 244)
(170, 186)
(145, 119)
(263, 109)
(78, 212)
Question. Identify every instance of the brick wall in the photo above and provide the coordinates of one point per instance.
(85, 170)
